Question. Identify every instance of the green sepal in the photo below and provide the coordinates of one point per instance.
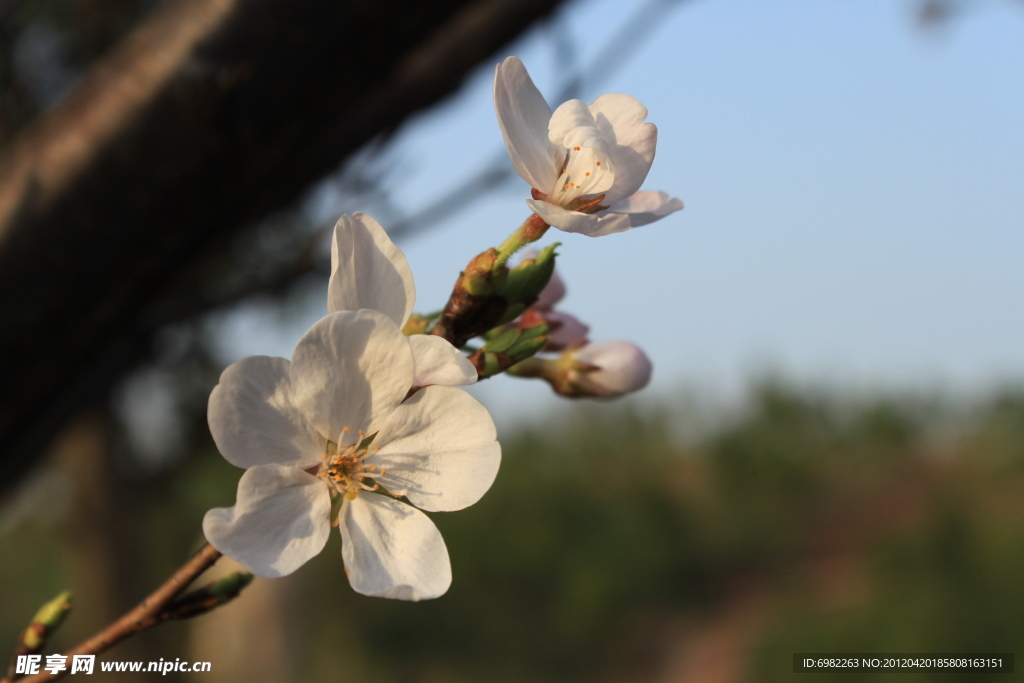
(532, 340)
(493, 363)
(416, 324)
(513, 312)
(508, 348)
(527, 280)
(503, 341)
(230, 586)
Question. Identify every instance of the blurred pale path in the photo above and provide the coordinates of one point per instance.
(853, 188)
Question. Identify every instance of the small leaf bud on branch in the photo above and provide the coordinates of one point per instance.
(208, 597)
(44, 623)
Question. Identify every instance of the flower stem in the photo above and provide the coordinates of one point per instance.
(531, 367)
(150, 612)
(532, 229)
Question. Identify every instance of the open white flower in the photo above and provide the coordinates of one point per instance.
(329, 439)
(369, 271)
(590, 157)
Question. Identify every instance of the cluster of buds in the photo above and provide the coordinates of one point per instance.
(514, 310)
(564, 330)
(487, 297)
(582, 370)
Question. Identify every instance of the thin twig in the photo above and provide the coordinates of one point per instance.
(147, 613)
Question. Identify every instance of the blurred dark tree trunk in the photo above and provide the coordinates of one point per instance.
(103, 577)
(209, 116)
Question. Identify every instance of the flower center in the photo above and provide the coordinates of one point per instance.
(345, 469)
(586, 171)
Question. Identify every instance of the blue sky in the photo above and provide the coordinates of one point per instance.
(854, 190)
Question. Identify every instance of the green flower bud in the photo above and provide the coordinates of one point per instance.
(483, 275)
(526, 281)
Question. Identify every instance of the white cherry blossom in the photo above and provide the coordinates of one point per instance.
(369, 271)
(585, 162)
(329, 439)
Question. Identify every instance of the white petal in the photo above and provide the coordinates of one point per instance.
(563, 219)
(591, 225)
(620, 118)
(567, 118)
(609, 223)
(368, 270)
(392, 550)
(523, 117)
(280, 520)
(253, 420)
(351, 369)
(438, 449)
(438, 362)
(646, 207)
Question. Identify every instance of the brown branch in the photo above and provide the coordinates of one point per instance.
(148, 613)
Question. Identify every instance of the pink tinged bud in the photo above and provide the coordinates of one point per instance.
(618, 368)
(551, 294)
(565, 331)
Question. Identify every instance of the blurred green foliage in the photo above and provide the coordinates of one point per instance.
(631, 542)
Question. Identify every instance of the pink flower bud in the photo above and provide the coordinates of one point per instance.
(565, 331)
(554, 290)
(616, 368)
(551, 294)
